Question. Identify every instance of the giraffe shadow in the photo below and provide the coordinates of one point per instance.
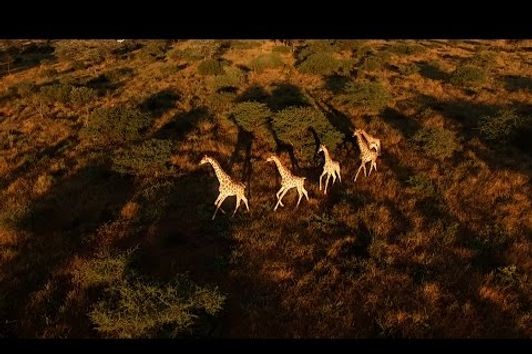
(159, 103)
(281, 147)
(183, 123)
(243, 152)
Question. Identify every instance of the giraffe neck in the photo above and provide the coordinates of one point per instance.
(326, 155)
(220, 174)
(282, 170)
(362, 145)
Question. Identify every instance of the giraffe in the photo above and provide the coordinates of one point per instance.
(227, 188)
(366, 154)
(331, 168)
(288, 181)
(373, 143)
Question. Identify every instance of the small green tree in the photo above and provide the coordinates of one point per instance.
(293, 126)
(469, 76)
(254, 117)
(116, 124)
(368, 95)
(147, 158)
(211, 67)
(322, 63)
(436, 142)
(133, 306)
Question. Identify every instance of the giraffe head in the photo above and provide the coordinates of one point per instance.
(357, 132)
(271, 158)
(321, 148)
(204, 160)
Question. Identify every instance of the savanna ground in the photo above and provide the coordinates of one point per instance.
(105, 226)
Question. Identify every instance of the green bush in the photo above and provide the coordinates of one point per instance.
(251, 115)
(67, 94)
(254, 117)
(211, 67)
(322, 63)
(315, 47)
(80, 96)
(469, 76)
(436, 142)
(85, 52)
(132, 306)
(408, 69)
(154, 50)
(373, 63)
(402, 48)
(266, 61)
(232, 77)
(292, 126)
(241, 44)
(55, 93)
(116, 124)
(352, 45)
(501, 127)
(422, 185)
(485, 59)
(193, 53)
(139, 309)
(146, 158)
(104, 270)
(369, 95)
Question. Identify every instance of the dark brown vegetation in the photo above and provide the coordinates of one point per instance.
(105, 224)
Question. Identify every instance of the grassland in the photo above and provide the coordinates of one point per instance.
(105, 213)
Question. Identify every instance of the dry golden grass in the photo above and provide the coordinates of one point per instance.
(378, 257)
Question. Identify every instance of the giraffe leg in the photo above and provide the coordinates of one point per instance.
(370, 168)
(222, 198)
(279, 201)
(339, 177)
(364, 166)
(305, 192)
(321, 177)
(246, 202)
(333, 175)
(375, 165)
(218, 200)
(358, 171)
(327, 183)
(236, 206)
(278, 194)
(300, 196)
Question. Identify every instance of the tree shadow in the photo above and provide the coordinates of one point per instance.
(57, 225)
(159, 103)
(339, 120)
(336, 83)
(47, 152)
(254, 93)
(406, 125)
(286, 95)
(222, 49)
(102, 84)
(183, 122)
(243, 145)
(517, 83)
(468, 114)
(431, 71)
(25, 57)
